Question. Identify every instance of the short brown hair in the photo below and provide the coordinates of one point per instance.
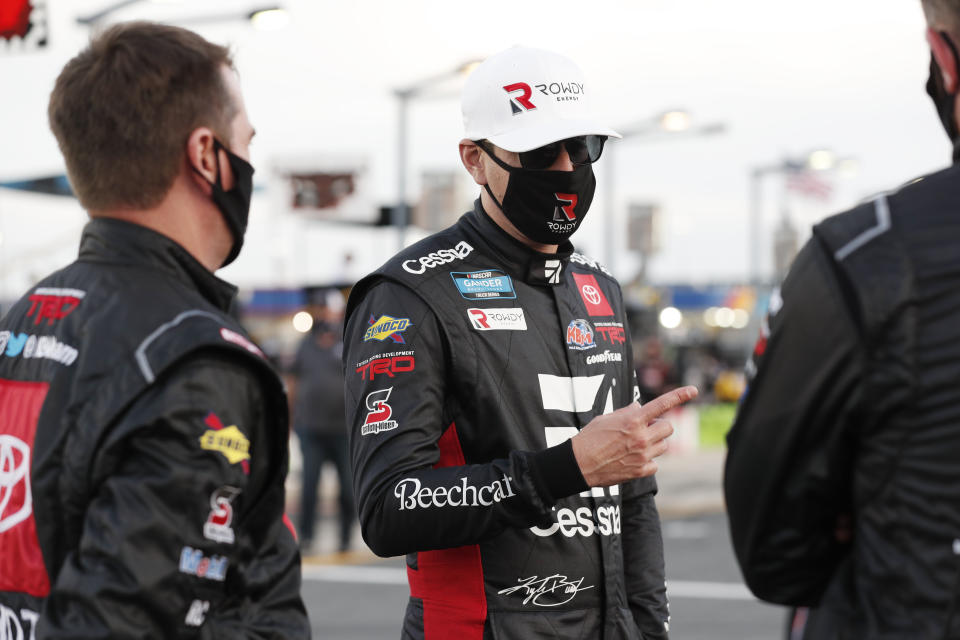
(123, 109)
(943, 14)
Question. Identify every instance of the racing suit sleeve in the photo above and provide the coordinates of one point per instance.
(787, 475)
(643, 562)
(643, 558)
(415, 491)
(183, 535)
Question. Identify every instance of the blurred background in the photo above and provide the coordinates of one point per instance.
(745, 122)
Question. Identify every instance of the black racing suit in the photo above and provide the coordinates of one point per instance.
(851, 425)
(142, 455)
(471, 360)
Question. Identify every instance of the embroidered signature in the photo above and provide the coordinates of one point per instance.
(537, 589)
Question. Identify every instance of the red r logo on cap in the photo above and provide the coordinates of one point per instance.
(523, 100)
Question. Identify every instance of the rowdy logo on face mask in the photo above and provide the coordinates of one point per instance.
(535, 200)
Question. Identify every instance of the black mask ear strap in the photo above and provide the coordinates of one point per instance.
(493, 197)
(493, 156)
(217, 146)
(501, 163)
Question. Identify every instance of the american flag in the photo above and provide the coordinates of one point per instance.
(809, 183)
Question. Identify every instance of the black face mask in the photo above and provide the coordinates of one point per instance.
(234, 205)
(546, 206)
(944, 101)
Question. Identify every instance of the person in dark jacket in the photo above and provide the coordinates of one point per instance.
(142, 433)
(842, 482)
(495, 433)
(316, 390)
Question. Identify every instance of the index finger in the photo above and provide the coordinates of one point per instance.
(663, 403)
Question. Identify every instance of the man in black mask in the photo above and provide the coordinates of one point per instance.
(495, 433)
(143, 436)
(842, 482)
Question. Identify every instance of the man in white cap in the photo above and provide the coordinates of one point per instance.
(495, 433)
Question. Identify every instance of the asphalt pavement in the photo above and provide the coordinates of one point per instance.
(357, 596)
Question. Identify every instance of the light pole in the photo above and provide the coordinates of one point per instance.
(266, 18)
(398, 215)
(666, 125)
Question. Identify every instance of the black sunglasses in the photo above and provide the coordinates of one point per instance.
(581, 149)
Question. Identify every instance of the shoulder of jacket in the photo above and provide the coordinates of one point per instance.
(191, 330)
(868, 225)
(591, 264)
(850, 231)
(118, 363)
(417, 265)
(436, 254)
(151, 321)
(866, 247)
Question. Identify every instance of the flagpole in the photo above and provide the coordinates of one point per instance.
(816, 161)
(753, 222)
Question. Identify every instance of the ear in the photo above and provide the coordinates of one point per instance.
(471, 156)
(202, 157)
(943, 54)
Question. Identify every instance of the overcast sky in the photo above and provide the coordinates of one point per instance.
(784, 77)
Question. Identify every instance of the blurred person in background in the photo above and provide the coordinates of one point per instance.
(143, 437)
(654, 373)
(491, 397)
(316, 391)
(842, 479)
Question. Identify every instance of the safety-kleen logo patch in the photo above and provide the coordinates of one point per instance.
(227, 441)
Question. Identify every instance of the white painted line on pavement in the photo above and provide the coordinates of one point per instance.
(708, 590)
(364, 575)
(390, 575)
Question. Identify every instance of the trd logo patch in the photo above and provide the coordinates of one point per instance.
(611, 332)
(388, 366)
(53, 304)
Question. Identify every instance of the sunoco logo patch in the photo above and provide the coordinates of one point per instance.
(484, 285)
(228, 441)
(386, 327)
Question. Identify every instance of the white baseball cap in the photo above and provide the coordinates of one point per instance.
(524, 98)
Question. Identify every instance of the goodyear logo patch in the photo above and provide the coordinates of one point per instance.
(387, 327)
(484, 285)
(228, 441)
